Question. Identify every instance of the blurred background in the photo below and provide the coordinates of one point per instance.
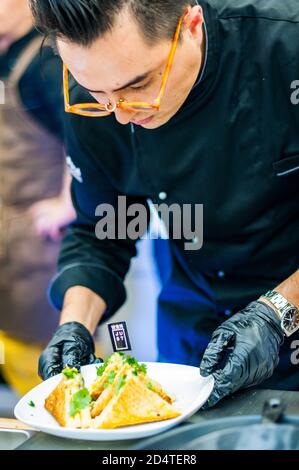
(139, 312)
(35, 209)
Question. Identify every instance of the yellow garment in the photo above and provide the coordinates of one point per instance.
(21, 363)
(20, 369)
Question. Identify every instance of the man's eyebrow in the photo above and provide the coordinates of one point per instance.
(135, 80)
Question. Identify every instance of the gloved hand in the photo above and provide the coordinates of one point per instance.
(71, 345)
(243, 351)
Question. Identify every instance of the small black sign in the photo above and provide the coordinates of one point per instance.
(119, 336)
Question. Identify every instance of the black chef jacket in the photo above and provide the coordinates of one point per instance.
(233, 147)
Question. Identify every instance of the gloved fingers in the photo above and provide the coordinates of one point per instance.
(215, 352)
(49, 363)
(232, 377)
(72, 356)
(217, 394)
(73, 359)
(95, 360)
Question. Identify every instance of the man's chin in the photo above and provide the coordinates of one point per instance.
(157, 122)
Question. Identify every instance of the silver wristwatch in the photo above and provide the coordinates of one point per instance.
(289, 314)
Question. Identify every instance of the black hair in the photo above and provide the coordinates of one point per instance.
(83, 21)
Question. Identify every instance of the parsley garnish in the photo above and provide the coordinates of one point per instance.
(111, 376)
(70, 373)
(79, 402)
(120, 384)
(32, 404)
(110, 379)
(101, 369)
(137, 368)
(150, 385)
(142, 368)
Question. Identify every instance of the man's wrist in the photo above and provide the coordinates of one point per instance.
(269, 303)
(83, 306)
(289, 289)
(287, 312)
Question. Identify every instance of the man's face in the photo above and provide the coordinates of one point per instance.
(108, 68)
(12, 13)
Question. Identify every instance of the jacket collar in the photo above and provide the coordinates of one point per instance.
(204, 84)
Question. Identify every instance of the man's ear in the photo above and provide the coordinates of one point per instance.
(193, 19)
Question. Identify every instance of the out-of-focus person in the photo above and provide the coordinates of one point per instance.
(35, 204)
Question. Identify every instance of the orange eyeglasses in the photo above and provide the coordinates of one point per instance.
(102, 110)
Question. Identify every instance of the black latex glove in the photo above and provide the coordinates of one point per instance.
(243, 351)
(72, 345)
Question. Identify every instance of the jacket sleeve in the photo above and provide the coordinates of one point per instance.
(85, 260)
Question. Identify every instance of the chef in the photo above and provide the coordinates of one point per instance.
(34, 194)
(184, 103)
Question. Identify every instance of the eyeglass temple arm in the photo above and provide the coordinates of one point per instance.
(170, 61)
(66, 87)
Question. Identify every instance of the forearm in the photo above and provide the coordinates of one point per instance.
(289, 289)
(84, 306)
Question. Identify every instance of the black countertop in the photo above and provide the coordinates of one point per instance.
(249, 402)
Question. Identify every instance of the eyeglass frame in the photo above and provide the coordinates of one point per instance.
(81, 109)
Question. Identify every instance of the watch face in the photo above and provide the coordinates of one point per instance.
(291, 320)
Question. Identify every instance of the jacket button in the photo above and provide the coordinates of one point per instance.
(163, 196)
(221, 274)
(228, 313)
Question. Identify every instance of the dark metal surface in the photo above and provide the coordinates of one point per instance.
(234, 433)
(249, 402)
(261, 425)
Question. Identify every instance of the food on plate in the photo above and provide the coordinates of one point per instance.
(121, 395)
(69, 401)
(114, 364)
(133, 403)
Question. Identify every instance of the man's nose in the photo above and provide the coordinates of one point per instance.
(122, 116)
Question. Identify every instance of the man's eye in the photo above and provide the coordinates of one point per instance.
(140, 87)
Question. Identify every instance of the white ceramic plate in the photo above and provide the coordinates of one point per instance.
(185, 382)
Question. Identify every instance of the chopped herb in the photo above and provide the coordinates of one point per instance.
(137, 368)
(110, 379)
(79, 402)
(101, 369)
(120, 384)
(32, 404)
(142, 368)
(150, 385)
(70, 373)
(131, 361)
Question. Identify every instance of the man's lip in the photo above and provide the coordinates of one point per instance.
(143, 122)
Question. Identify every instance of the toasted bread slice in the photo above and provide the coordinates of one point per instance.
(109, 389)
(154, 386)
(114, 364)
(58, 402)
(85, 416)
(133, 403)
